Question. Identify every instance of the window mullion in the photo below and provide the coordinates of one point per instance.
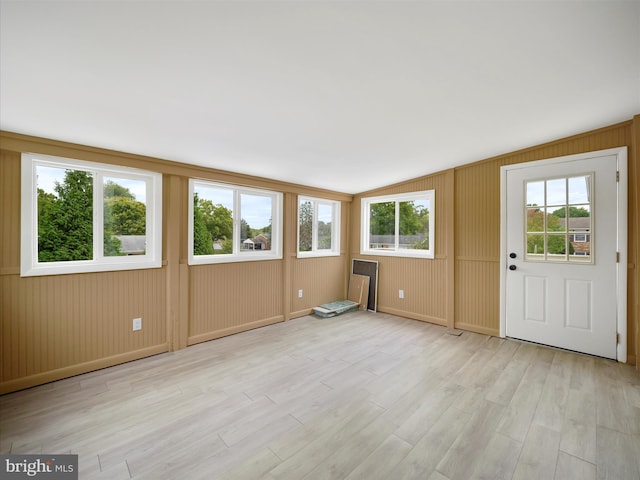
(314, 227)
(34, 239)
(397, 227)
(544, 222)
(237, 222)
(98, 216)
(567, 218)
(333, 226)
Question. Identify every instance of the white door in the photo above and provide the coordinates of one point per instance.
(561, 228)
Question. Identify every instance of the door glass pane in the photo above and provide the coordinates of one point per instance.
(535, 220)
(535, 247)
(125, 216)
(579, 189)
(580, 233)
(382, 225)
(555, 219)
(557, 248)
(535, 194)
(556, 191)
(65, 214)
(559, 228)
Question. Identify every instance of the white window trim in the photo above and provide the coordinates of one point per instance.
(397, 198)
(29, 264)
(257, 255)
(334, 251)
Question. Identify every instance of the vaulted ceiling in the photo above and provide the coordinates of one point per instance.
(342, 95)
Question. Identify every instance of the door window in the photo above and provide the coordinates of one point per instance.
(559, 220)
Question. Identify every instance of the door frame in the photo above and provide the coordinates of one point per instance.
(621, 237)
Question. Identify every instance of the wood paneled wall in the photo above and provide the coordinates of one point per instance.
(56, 326)
(427, 283)
(466, 271)
(321, 280)
(225, 298)
(75, 323)
(633, 279)
(52, 327)
(477, 227)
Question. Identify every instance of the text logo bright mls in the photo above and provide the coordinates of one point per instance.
(51, 467)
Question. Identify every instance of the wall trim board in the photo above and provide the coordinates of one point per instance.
(182, 326)
(478, 259)
(552, 143)
(25, 143)
(171, 236)
(16, 271)
(634, 233)
(413, 315)
(289, 248)
(401, 187)
(450, 242)
(533, 148)
(205, 337)
(300, 313)
(73, 370)
(10, 271)
(478, 329)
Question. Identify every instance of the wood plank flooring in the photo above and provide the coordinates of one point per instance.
(360, 396)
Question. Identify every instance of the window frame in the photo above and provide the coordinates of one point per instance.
(238, 256)
(365, 212)
(335, 205)
(29, 263)
(582, 236)
(567, 233)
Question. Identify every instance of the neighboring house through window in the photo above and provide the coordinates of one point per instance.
(230, 223)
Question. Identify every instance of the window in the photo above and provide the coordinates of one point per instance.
(399, 225)
(558, 219)
(229, 223)
(318, 227)
(81, 216)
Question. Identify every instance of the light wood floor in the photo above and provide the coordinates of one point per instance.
(360, 396)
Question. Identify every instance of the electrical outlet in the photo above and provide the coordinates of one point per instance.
(300, 293)
(137, 324)
(401, 293)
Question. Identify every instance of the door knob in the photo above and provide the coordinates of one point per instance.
(512, 267)
(512, 255)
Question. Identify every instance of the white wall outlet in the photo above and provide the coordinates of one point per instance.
(300, 293)
(137, 324)
(401, 293)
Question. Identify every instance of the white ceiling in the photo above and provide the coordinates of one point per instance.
(342, 95)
